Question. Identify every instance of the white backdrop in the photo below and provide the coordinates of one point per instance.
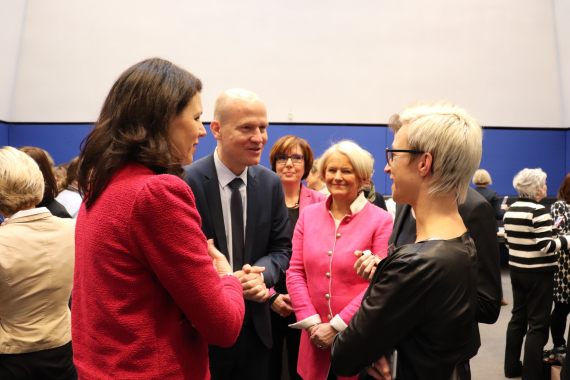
(322, 61)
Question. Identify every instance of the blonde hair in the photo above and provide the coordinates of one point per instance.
(482, 177)
(360, 159)
(451, 136)
(21, 181)
(528, 181)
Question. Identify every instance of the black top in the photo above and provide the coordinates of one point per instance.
(293, 218)
(478, 216)
(495, 201)
(421, 301)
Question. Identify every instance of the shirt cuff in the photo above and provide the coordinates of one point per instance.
(307, 322)
(338, 324)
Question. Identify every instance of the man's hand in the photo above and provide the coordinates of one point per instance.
(322, 335)
(504, 207)
(253, 287)
(380, 369)
(365, 266)
(282, 305)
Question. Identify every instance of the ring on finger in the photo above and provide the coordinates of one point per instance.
(373, 366)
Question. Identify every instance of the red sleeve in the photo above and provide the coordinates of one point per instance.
(165, 226)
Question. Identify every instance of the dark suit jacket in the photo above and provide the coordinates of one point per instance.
(267, 241)
(493, 199)
(478, 217)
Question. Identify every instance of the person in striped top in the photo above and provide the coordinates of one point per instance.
(532, 243)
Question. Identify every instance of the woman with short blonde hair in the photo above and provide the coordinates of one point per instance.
(482, 179)
(422, 298)
(36, 276)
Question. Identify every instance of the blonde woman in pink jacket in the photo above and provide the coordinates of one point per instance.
(324, 288)
(292, 159)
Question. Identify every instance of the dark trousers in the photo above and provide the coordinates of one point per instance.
(247, 359)
(280, 332)
(558, 323)
(462, 371)
(532, 295)
(53, 364)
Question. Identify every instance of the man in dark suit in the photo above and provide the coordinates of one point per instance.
(243, 209)
(478, 216)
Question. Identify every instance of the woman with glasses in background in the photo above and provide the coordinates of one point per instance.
(325, 290)
(292, 159)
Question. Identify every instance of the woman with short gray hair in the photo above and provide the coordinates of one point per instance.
(532, 261)
(36, 276)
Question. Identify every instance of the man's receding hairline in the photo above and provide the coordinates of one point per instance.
(233, 95)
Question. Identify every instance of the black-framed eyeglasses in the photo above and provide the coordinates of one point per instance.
(390, 153)
(296, 159)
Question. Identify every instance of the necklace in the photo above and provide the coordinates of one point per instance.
(298, 199)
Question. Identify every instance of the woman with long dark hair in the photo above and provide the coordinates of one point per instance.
(147, 298)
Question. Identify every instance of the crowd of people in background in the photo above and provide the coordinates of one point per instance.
(183, 269)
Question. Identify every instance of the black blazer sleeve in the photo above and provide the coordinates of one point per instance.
(278, 252)
(478, 216)
(393, 305)
(496, 202)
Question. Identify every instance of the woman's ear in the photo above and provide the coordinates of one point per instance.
(425, 165)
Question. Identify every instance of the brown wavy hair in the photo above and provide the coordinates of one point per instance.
(285, 144)
(42, 158)
(564, 190)
(134, 125)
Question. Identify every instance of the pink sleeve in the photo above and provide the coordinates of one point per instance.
(165, 226)
(297, 277)
(379, 245)
(382, 234)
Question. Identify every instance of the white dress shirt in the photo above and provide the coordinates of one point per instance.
(225, 176)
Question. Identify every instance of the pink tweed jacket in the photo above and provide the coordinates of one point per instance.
(321, 280)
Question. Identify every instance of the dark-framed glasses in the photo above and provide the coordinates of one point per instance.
(390, 153)
(296, 159)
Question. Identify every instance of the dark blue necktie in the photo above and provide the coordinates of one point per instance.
(236, 210)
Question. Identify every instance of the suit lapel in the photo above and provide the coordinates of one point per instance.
(212, 189)
(401, 213)
(253, 196)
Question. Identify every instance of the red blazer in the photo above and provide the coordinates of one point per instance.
(146, 297)
(321, 280)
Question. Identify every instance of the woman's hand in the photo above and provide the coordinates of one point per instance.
(322, 335)
(380, 369)
(365, 266)
(282, 305)
(220, 262)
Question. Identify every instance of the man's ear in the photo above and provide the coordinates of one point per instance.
(215, 128)
(425, 164)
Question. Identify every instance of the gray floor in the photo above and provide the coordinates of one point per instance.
(488, 364)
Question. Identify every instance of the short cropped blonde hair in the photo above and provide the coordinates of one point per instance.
(451, 136)
(21, 181)
(482, 177)
(361, 160)
(528, 181)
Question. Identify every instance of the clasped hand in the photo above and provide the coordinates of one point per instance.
(253, 287)
(322, 335)
(250, 277)
(282, 305)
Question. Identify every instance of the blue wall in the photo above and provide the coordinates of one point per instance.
(505, 151)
